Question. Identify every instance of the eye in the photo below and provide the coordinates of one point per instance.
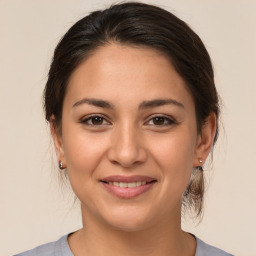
(95, 120)
(160, 121)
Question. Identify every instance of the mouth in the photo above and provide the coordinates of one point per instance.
(128, 184)
(128, 187)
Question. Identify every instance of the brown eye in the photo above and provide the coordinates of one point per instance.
(160, 121)
(95, 121)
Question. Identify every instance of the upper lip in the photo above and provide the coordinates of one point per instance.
(120, 178)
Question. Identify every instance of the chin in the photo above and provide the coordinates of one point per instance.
(128, 226)
(128, 220)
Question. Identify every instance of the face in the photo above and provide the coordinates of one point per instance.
(129, 137)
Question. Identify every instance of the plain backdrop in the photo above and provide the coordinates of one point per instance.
(35, 208)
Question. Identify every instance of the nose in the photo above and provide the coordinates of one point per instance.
(127, 147)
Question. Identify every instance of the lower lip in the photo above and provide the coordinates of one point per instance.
(128, 193)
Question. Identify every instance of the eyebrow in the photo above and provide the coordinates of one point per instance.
(94, 102)
(143, 105)
(159, 102)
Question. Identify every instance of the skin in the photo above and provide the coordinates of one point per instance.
(128, 140)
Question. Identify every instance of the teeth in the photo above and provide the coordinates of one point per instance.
(128, 184)
(123, 185)
(138, 183)
(132, 184)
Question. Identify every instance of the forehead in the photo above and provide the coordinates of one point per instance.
(127, 73)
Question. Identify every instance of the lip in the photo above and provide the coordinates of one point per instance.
(128, 193)
(120, 178)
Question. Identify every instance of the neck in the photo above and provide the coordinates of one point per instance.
(164, 238)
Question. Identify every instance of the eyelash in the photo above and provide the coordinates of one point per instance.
(167, 121)
(90, 118)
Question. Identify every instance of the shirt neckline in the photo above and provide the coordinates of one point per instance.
(65, 246)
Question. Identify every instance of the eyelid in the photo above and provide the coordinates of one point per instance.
(84, 119)
(170, 119)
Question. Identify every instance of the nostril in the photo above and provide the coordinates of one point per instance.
(126, 154)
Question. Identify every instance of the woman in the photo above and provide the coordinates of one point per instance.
(133, 112)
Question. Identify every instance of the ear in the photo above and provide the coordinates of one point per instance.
(57, 139)
(205, 140)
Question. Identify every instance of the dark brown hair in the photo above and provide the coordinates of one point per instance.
(141, 25)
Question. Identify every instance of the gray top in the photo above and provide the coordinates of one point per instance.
(61, 248)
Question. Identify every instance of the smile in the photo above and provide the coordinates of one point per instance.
(128, 187)
(127, 184)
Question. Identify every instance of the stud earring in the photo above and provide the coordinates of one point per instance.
(200, 168)
(61, 165)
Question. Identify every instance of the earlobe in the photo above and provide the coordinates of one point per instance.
(205, 140)
(57, 140)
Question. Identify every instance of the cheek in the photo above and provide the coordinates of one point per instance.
(175, 150)
(83, 153)
(175, 154)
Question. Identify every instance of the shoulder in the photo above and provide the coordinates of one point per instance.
(57, 248)
(209, 250)
(61, 248)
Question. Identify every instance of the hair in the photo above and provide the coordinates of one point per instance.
(141, 25)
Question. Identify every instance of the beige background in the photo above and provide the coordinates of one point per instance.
(34, 209)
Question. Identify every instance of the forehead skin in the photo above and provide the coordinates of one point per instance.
(116, 70)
